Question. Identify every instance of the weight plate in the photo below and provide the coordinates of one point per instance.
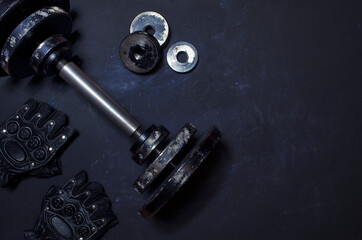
(154, 136)
(154, 20)
(12, 13)
(142, 138)
(165, 158)
(44, 58)
(181, 174)
(26, 37)
(189, 50)
(140, 52)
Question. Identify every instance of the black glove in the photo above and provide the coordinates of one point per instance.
(30, 142)
(78, 211)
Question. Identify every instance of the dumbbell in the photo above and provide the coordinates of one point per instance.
(33, 37)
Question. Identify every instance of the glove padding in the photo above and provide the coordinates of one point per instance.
(30, 142)
(78, 211)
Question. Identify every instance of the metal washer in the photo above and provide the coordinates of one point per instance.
(180, 47)
(154, 20)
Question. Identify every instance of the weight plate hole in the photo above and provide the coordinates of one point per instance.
(182, 57)
(139, 52)
(150, 29)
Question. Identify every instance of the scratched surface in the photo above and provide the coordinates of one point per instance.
(282, 79)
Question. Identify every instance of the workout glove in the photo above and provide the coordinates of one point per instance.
(78, 211)
(30, 142)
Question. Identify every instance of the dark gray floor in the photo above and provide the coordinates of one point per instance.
(282, 79)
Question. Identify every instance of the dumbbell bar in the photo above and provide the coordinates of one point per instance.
(38, 43)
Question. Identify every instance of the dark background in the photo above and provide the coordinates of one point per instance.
(282, 79)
